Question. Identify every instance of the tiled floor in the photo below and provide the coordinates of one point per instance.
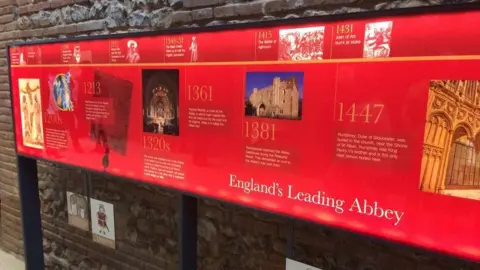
(8, 262)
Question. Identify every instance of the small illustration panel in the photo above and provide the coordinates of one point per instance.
(301, 43)
(193, 50)
(274, 95)
(103, 222)
(377, 39)
(78, 211)
(125, 51)
(160, 101)
(132, 53)
(31, 112)
(77, 54)
(22, 59)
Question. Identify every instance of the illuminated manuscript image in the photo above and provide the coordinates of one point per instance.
(377, 39)
(451, 149)
(274, 95)
(62, 92)
(301, 43)
(31, 112)
(160, 101)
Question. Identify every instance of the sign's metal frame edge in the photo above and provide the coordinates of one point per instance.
(266, 23)
(188, 202)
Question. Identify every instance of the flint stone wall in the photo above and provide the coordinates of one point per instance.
(229, 237)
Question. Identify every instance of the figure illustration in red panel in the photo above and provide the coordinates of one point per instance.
(377, 39)
(193, 50)
(77, 53)
(39, 55)
(301, 44)
(31, 112)
(22, 59)
(37, 114)
(132, 55)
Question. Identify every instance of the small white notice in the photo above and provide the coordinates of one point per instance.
(294, 265)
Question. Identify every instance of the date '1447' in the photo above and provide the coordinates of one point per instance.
(369, 113)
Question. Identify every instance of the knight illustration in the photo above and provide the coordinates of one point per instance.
(377, 41)
(102, 220)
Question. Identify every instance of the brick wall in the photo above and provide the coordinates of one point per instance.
(230, 237)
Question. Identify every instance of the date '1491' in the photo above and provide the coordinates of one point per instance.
(369, 113)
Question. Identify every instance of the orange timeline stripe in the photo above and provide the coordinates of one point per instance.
(325, 61)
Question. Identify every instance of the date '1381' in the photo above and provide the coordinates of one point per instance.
(256, 130)
(369, 113)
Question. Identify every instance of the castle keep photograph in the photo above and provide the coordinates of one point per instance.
(451, 149)
(274, 95)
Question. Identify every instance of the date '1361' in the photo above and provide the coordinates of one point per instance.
(199, 92)
(369, 113)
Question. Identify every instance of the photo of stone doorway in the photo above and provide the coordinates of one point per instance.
(451, 149)
(277, 95)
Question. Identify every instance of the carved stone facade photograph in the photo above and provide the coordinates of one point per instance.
(451, 151)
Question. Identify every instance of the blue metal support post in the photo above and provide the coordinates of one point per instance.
(290, 235)
(187, 233)
(30, 213)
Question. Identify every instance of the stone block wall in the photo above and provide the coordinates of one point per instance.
(229, 237)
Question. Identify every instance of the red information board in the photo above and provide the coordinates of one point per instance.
(370, 125)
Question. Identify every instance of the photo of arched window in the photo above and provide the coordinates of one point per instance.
(451, 149)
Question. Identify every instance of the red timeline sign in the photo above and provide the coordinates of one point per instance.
(370, 125)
